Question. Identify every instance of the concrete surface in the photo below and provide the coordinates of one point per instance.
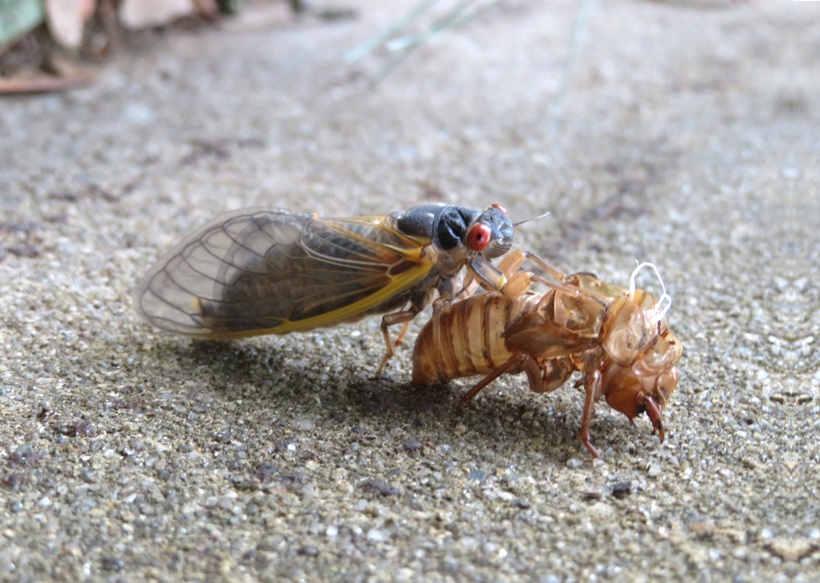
(688, 137)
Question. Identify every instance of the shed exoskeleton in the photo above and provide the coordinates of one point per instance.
(617, 338)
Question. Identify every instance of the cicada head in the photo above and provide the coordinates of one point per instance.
(645, 385)
(459, 232)
(491, 233)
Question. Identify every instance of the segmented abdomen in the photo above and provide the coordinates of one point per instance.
(466, 338)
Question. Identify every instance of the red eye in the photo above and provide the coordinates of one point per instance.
(479, 237)
(495, 205)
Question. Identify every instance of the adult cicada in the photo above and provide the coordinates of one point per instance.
(616, 337)
(255, 272)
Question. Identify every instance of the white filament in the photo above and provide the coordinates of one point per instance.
(658, 312)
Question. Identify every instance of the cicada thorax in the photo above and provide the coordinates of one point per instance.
(567, 320)
(628, 331)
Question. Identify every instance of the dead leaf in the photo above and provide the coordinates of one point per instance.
(66, 20)
(135, 14)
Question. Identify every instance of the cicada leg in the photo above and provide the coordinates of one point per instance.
(512, 281)
(515, 364)
(403, 317)
(520, 281)
(541, 378)
(552, 271)
(511, 262)
(417, 304)
(653, 411)
(506, 278)
(447, 287)
(592, 385)
(554, 373)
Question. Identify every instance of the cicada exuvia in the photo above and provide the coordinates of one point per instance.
(618, 338)
(255, 272)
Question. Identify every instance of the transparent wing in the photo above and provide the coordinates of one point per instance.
(271, 272)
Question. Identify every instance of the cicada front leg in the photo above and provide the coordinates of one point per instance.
(592, 386)
(509, 278)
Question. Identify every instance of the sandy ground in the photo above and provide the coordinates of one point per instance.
(687, 137)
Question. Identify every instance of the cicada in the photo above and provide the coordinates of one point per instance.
(617, 338)
(255, 271)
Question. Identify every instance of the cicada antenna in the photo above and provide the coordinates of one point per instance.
(519, 223)
(658, 312)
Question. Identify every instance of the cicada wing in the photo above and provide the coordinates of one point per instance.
(258, 272)
(202, 269)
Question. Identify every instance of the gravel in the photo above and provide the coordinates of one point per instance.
(688, 136)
